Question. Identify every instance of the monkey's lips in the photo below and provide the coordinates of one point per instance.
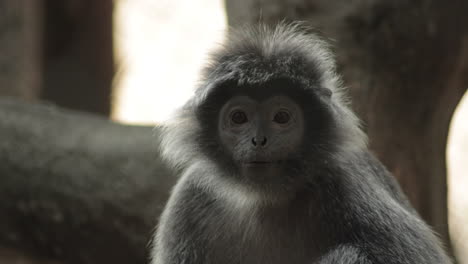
(261, 163)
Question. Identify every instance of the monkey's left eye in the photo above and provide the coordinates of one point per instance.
(282, 117)
(239, 117)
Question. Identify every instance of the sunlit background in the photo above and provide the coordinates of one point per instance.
(160, 50)
(457, 162)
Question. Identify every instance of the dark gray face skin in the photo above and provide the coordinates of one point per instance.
(261, 135)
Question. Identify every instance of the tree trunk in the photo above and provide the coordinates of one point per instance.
(20, 49)
(78, 54)
(60, 51)
(406, 66)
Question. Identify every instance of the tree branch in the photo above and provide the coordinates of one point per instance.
(78, 187)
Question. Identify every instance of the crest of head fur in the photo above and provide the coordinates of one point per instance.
(255, 55)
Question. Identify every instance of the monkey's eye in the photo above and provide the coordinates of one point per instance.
(282, 117)
(239, 117)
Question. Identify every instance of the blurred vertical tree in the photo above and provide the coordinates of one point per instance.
(20, 49)
(59, 51)
(78, 60)
(406, 64)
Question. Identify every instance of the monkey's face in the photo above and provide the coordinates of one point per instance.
(262, 136)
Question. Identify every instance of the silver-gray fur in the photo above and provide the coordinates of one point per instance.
(351, 210)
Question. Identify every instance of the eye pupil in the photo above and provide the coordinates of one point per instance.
(239, 117)
(282, 117)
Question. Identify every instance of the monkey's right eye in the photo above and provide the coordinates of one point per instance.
(239, 117)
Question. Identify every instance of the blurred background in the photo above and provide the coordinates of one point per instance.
(135, 61)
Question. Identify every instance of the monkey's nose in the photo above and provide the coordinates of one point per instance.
(255, 141)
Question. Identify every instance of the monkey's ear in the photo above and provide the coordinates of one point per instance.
(324, 93)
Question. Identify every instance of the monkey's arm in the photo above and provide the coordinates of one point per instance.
(180, 238)
(386, 179)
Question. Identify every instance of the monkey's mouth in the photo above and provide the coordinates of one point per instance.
(261, 163)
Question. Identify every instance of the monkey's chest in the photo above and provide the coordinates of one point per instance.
(263, 240)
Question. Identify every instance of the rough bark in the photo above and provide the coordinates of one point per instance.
(406, 66)
(76, 187)
(78, 54)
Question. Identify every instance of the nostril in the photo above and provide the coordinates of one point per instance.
(254, 141)
(262, 143)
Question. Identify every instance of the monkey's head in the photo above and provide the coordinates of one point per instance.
(269, 109)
